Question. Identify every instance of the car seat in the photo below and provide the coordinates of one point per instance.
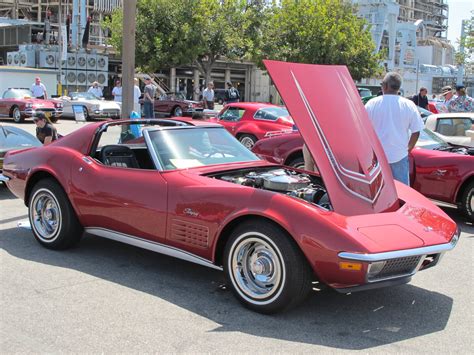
(119, 156)
(446, 129)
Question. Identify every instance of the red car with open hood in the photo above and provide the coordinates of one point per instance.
(191, 190)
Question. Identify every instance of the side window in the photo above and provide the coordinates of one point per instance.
(232, 114)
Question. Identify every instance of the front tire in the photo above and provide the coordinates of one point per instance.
(177, 112)
(16, 114)
(297, 163)
(265, 268)
(52, 218)
(467, 201)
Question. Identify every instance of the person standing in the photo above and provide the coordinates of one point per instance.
(398, 123)
(421, 99)
(117, 91)
(45, 131)
(136, 97)
(208, 96)
(231, 93)
(149, 98)
(447, 94)
(461, 102)
(95, 90)
(39, 90)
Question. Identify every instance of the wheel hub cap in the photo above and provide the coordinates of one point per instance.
(256, 268)
(45, 215)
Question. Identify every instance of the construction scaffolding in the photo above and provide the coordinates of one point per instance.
(434, 14)
(38, 10)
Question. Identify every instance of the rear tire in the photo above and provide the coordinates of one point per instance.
(265, 269)
(16, 114)
(53, 220)
(467, 201)
(248, 140)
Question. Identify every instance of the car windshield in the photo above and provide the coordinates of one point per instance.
(172, 96)
(429, 140)
(82, 95)
(271, 113)
(193, 147)
(17, 94)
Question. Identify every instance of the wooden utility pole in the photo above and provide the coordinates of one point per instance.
(128, 55)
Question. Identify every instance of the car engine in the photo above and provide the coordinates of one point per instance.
(281, 180)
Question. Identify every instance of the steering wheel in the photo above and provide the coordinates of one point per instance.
(212, 152)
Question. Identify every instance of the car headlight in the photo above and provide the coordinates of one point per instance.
(29, 105)
(95, 108)
(59, 105)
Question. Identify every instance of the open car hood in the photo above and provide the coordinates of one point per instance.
(325, 105)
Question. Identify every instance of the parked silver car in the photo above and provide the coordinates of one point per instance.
(93, 107)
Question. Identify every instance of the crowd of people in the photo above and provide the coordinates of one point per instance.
(457, 101)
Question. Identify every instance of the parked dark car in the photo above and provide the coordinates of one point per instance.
(175, 104)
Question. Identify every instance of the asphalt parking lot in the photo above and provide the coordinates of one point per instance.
(104, 296)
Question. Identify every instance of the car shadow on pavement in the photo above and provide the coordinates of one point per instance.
(356, 321)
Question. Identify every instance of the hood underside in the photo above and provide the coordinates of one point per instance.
(325, 105)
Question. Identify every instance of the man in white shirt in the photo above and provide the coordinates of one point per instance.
(39, 90)
(117, 91)
(208, 96)
(95, 90)
(397, 123)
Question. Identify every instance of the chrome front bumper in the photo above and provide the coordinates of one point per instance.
(29, 112)
(400, 264)
(4, 178)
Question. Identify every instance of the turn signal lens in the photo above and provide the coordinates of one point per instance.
(346, 265)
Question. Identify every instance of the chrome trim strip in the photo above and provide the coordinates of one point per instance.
(434, 249)
(337, 168)
(151, 149)
(150, 245)
(4, 178)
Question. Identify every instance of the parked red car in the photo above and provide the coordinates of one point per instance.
(439, 170)
(251, 121)
(191, 190)
(175, 105)
(20, 104)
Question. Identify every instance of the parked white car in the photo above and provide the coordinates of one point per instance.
(455, 128)
(93, 107)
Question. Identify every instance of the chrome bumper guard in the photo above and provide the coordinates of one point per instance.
(4, 178)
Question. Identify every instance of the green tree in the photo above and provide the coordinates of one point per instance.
(468, 42)
(320, 32)
(182, 32)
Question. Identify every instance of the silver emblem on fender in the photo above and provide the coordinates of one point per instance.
(190, 212)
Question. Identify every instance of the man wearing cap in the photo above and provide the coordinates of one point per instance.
(398, 123)
(447, 93)
(461, 102)
(45, 131)
(39, 90)
(149, 98)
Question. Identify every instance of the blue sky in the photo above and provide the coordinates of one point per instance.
(458, 10)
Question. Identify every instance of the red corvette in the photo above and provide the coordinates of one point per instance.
(192, 191)
(20, 104)
(251, 121)
(438, 170)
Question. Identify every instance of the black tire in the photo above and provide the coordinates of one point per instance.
(16, 115)
(86, 114)
(248, 140)
(290, 274)
(66, 231)
(177, 111)
(297, 163)
(467, 201)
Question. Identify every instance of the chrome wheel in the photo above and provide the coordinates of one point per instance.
(178, 111)
(16, 115)
(257, 269)
(247, 141)
(45, 215)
